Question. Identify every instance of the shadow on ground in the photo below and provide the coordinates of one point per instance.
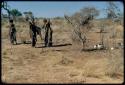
(60, 45)
(19, 43)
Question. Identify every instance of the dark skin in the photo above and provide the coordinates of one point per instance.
(12, 32)
(37, 29)
(48, 33)
(33, 32)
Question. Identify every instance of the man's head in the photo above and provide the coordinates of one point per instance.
(44, 20)
(32, 22)
(11, 21)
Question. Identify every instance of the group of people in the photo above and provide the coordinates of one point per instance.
(34, 31)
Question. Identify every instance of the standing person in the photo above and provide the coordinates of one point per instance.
(48, 32)
(33, 32)
(12, 33)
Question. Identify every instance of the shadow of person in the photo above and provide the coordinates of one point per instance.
(60, 45)
(19, 43)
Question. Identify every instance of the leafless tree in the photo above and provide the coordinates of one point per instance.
(113, 14)
(6, 7)
(82, 22)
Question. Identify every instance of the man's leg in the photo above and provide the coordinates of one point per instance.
(40, 34)
(33, 39)
(11, 38)
(15, 38)
(46, 38)
(50, 38)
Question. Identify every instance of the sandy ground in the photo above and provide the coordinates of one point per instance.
(62, 63)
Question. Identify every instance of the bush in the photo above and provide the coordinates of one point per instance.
(115, 63)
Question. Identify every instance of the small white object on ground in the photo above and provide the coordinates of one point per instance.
(112, 48)
(95, 46)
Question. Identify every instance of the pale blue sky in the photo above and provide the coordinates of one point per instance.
(53, 8)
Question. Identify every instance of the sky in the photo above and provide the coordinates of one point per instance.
(52, 9)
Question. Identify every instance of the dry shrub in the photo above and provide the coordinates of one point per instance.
(5, 34)
(18, 26)
(82, 22)
(23, 36)
(120, 31)
(57, 22)
(115, 63)
(6, 26)
(4, 53)
(65, 61)
(94, 68)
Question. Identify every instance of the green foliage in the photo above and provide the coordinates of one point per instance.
(15, 12)
(4, 4)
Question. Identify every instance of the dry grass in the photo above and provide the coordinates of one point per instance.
(115, 63)
(61, 64)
